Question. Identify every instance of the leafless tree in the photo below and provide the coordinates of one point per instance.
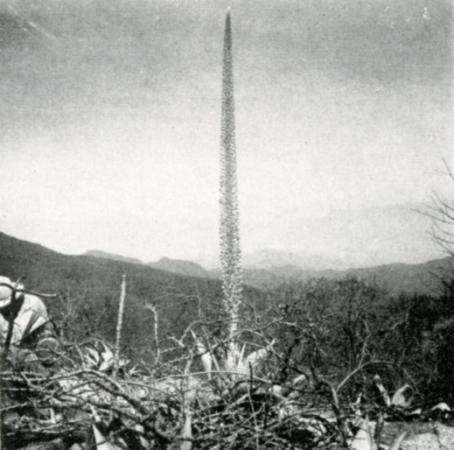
(441, 211)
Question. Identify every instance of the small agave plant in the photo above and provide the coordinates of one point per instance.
(236, 363)
(365, 440)
(402, 399)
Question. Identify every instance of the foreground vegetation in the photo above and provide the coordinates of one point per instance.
(314, 359)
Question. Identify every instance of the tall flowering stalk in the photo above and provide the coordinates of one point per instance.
(229, 223)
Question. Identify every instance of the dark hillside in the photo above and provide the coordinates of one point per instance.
(89, 289)
(52, 271)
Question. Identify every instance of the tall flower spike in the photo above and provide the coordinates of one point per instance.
(229, 222)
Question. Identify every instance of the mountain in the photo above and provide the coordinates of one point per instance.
(267, 259)
(366, 237)
(45, 269)
(94, 279)
(181, 267)
(270, 268)
(177, 266)
(422, 278)
(349, 238)
(112, 256)
(88, 289)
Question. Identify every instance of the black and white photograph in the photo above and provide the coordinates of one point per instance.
(226, 225)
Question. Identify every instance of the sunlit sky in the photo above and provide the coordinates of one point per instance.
(110, 119)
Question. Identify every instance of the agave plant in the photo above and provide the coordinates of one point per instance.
(236, 364)
(365, 439)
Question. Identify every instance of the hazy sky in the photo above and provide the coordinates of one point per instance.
(110, 118)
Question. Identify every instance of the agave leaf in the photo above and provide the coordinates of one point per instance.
(441, 407)
(382, 390)
(233, 358)
(140, 431)
(400, 398)
(186, 434)
(241, 356)
(107, 359)
(205, 355)
(101, 442)
(364, 439)
(254, 358)
(91, 357)
(397, 443)
(207, 363)
(215, 362)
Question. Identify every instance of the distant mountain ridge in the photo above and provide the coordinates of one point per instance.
(268, 259)
(338, 240)
(88, 289)
(270, 268)
(182, 267)
(177, 266)
(92, 285)
(350, 238)
(422, 278)
(112, 256)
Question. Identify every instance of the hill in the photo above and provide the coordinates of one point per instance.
(422, 278)
(114, 257)
(181, 267)
(270, 268)
(89, 288)
(271, 259)
(178, 266)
